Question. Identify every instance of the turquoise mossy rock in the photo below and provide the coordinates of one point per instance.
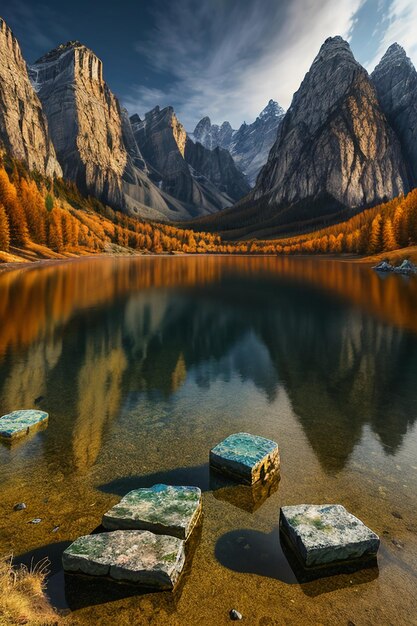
(324, 535)
(136, 556)
(246, 458)
(162, 509)
(20, 423)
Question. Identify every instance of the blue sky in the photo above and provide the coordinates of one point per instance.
(222, 58)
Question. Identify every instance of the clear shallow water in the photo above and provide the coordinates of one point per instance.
(145, 364)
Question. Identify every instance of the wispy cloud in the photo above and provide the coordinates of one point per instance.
(38, 28)
(227, 58)
(401, 27)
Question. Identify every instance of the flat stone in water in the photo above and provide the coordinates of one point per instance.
(327, 534)
(162, 509)
(247, 458)
(19, 423)
(137, 556)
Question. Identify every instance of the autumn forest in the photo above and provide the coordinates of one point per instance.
(52, 218)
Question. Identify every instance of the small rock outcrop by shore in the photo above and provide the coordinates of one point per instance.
(162, 509)
(246, 458)
(20, 423)
(138, 556)
(406, 267)
(326, 535)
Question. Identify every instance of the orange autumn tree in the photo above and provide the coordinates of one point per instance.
(35, 211)
(4, 230)
(17, 221)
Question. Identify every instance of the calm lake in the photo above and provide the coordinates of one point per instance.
(145, 363)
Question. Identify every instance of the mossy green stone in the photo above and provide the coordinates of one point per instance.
(162, 509)
(137, 556)
(19, 423)
(326, 534)
(246, 457)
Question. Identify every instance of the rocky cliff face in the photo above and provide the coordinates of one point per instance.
(84, 119)
(23, 126)
(92, 135)
(334, 144)
(395, 79)
(130, 142)
(203, 180)
(253, 142)
(218, 167)
(212, 135)
(249, 145)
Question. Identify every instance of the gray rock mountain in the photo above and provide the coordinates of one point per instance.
(249, 145)
(335, 153)
(23, 126)
(212, 135)
(253, 142)
(201, 179)
(395, 79)
(92, 136)
(334, 142)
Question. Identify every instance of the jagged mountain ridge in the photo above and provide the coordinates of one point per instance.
(89, 131)
(395, 79)
(335, 152)
(60, 117)
(249, 145)
(23, 125)
(340, 156)
(204, 178)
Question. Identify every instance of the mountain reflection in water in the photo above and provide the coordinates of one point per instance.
(92, 335)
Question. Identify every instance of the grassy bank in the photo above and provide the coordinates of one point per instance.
(22, 597)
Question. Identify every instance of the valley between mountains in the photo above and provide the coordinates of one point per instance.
(80, 174)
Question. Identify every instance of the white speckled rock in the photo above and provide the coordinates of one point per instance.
(246, 457)
(20, 423)
(136, 556)
(326, 534)
(162, 509)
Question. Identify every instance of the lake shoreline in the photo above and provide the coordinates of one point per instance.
(24, 265)
(393, 257)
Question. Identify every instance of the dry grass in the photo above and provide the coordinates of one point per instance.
(22, 597)
(395, 256)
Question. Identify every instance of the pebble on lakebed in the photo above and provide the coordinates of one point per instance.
(20, 423)
(325, 535)
(136, 556)
(246, 458)
(162, 509)
(20, 506)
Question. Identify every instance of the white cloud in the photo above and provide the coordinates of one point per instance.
(401, 27)
(227, 59)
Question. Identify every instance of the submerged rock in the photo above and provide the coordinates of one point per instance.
(20, 506)
(406, 267)
(162, 509)
(246, 457)
(235, 615)
(383, 267)
(19, 423)
(326, 534)
(137, 556)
